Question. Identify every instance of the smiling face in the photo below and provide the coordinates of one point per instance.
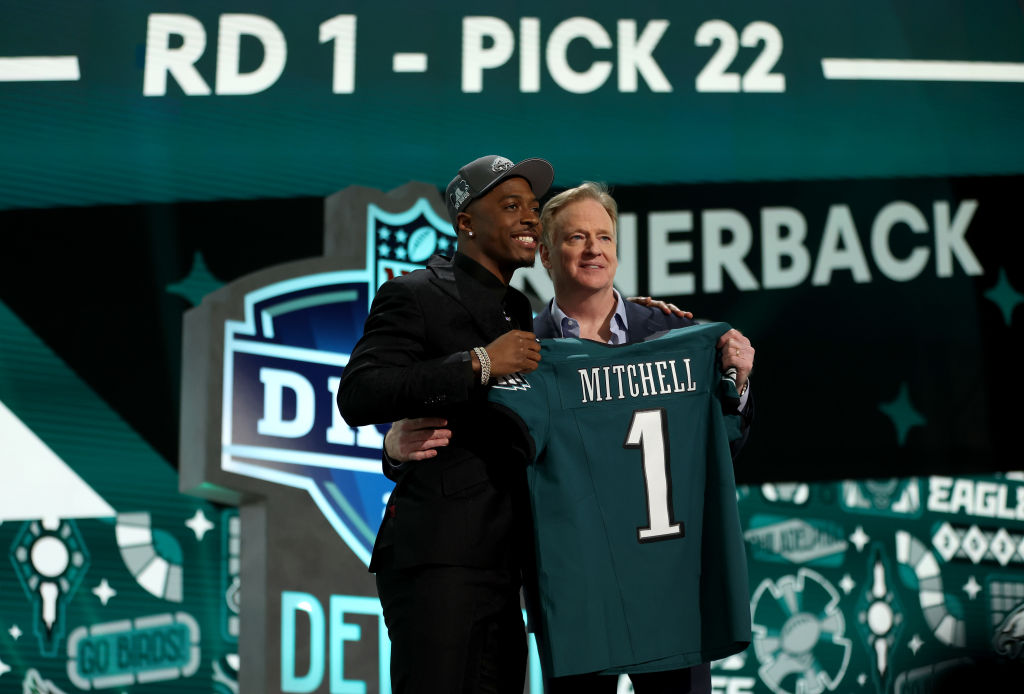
(505, 228)
(582, 256)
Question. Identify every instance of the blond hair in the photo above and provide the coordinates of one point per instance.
(588, 190)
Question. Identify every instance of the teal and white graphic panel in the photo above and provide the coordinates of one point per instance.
(893, 585)
(126, 101)
(110, 579)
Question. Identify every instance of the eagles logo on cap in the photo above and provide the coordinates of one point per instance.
(501, 164)
(481, 175)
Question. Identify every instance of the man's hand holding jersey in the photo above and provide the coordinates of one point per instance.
(517, 351)
(737, 353)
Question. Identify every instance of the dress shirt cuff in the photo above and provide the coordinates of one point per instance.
(745, 396)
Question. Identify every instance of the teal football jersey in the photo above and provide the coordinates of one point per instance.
(640, 557)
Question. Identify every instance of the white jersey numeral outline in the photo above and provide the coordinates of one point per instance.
(648, 431)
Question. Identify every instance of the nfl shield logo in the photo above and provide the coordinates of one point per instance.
(402, 242)
(282, 365)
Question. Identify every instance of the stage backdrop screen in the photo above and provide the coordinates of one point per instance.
(125, 101)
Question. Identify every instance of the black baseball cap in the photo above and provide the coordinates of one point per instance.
(480, 175)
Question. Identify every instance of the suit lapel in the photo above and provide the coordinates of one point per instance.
(542, 324)
(463, 291)
(641, 321)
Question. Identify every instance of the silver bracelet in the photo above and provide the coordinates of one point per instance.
(485, 364)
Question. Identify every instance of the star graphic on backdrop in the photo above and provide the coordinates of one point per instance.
(915, 643)
(197, 284)
(199, 524)
(401, 236)
(1004, 296)
(400, 253)
(15, 632)
(847, 584)
(859, 538)
(104, 592)
(384, 233)
(902, 414)
(384, 249)
(4, 667)
(972, 588)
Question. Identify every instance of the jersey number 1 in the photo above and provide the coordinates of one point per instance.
(648, 431)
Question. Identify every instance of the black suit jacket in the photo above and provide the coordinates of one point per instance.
(642, 322)
(467, 506)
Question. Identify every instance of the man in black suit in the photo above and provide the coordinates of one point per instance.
(449, 551)
(578, 247)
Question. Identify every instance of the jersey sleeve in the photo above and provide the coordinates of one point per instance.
(522, 398)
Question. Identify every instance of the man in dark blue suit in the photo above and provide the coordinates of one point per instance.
(578, 248)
